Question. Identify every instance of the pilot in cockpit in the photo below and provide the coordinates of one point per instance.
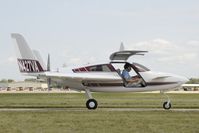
(129, 80)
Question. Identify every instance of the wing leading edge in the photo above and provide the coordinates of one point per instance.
(83, 76)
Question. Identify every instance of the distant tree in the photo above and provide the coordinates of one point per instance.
(30, 79)
(64, 65)
(193, 81)
(55, 85)
(4, 81)
(7, 81)
(35, 80)
(10, 80)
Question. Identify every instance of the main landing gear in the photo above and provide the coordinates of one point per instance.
(91, 103)
(167, 104)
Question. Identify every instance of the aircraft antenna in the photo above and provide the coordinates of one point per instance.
(121, 46)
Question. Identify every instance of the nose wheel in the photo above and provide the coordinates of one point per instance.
(167, 104)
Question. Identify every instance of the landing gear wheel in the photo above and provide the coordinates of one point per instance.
(167, 105)
(91, 104)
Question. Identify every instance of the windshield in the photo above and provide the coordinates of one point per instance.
(140, 67)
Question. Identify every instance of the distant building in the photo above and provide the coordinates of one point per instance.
(22, 85)
(190, 87)
(3, 86)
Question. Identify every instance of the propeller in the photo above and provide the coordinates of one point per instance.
(48, 69)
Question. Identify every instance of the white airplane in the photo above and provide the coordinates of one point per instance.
(96, 78)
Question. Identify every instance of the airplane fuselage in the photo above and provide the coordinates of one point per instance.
(112, 82)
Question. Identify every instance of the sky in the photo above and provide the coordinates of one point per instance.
(79, 32)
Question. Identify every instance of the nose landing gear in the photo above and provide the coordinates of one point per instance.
(167, 104)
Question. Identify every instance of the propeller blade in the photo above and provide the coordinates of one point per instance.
(49, 83)
(48, 63)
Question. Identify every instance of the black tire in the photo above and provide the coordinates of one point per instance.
(91, 104)
(166, 105)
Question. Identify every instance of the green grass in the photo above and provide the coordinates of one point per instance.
(101, 120)
(118, 100)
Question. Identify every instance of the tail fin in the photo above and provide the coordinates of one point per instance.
(28, 61)
(39, 58)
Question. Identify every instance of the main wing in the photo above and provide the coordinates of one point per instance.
(84, 76)
(79, 81)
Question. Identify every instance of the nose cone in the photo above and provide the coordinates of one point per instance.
(186, 80)
(179, 79)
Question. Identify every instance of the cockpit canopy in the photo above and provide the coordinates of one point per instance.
(109, 68)
(124, 55)
(120, 56)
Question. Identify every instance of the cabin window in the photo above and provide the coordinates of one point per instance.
(141, 68)
(99, 68)
(96, 68)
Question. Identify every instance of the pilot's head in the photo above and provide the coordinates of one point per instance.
(127, 67)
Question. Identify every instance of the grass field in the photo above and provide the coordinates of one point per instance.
(105, 100)
(100, 120)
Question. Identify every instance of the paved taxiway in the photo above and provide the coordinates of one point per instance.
(99, 109)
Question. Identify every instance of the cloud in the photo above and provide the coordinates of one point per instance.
(179, 58)
(193, 43)
(80, 61)
(158, 46)
(115, 13)
(147, 13)
(10, 60)
(75, 61)
(167, 51)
